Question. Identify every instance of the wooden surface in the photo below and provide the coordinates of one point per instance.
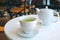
(1, 29)
(2, 34)
(2, 8)
(16, 10)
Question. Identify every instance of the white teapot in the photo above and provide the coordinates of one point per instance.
(46, 15)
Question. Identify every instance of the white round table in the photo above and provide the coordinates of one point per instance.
(45, 32)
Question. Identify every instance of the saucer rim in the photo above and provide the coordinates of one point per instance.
(19, 33)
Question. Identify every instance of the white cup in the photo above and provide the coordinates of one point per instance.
(28, 27)
(47, 16)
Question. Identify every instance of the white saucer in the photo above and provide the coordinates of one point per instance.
(27, 35)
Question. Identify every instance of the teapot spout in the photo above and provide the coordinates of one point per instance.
(37, 9)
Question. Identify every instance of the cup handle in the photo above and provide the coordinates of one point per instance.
(40, 23)
(57, 17)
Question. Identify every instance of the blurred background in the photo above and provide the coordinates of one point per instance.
(14, 8)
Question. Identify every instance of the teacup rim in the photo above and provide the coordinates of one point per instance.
(23, 17)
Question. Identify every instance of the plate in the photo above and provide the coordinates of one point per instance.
(45, 32)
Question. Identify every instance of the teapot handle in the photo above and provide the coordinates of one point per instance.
(57, 15)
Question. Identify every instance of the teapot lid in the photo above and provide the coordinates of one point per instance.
(46, 9)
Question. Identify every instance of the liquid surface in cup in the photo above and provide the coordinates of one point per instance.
(28, 19)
